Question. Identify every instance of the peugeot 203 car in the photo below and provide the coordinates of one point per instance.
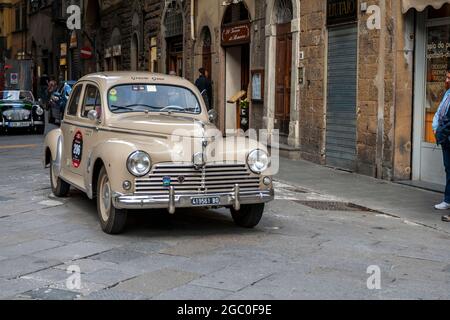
(19, 110)
(146, 141)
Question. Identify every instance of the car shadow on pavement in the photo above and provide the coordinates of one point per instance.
(158, 222)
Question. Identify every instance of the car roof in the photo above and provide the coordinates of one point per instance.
(113, 78)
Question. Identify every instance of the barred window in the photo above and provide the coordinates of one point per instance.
(284, 11)
(174, 22)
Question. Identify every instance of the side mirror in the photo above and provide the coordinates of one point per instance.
(92, 115)
(212, 115)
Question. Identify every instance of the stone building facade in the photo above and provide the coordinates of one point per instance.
(368, 72)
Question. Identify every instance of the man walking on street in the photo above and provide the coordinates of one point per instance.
(441, 126)
(205, 87)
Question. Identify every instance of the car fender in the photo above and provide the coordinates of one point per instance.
(113, 154)
(53, 148)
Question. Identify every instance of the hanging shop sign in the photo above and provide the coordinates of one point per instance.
(73, 40)
(117, 50)
(108, 52)
(236, 34)
(63, 49)
(341, 12)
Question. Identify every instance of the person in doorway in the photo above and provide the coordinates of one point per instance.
(441, 124)
(204, 85)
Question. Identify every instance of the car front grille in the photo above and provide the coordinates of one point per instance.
(213, 178)
(17, 115)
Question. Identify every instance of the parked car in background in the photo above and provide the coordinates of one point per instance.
(19, 110)
(58, 101)
(147, 141)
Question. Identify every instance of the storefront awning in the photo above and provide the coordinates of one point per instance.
(420, 5)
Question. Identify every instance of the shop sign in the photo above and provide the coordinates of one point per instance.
(237, 34)
(117, 50)
(63, 49)
(108, 52)
(341, 12)
(73, 40)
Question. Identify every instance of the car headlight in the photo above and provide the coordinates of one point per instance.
(139, 163)
(258, 160)
(39, 111)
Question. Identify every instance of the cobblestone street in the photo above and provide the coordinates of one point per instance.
(309, 245)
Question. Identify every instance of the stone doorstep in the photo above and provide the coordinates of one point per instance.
(286, 151)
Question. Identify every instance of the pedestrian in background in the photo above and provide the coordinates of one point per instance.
(441, 128)
(204, 85)
(51, 87)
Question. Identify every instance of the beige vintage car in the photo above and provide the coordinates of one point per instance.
(146, 141)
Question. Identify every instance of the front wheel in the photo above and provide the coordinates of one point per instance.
(60, 188)
(112, 220)
(249, 215)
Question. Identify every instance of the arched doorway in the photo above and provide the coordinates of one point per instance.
(284, 16)
(282, 69)
(235, 39)
(173, 34)
(206, 50)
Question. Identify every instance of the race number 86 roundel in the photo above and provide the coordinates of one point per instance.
(77, 149)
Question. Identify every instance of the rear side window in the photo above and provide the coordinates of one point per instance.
(74, 101)
(91, 100)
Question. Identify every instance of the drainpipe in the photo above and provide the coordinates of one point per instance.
(192, 20)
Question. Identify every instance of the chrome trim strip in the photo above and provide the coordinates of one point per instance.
(137, 133)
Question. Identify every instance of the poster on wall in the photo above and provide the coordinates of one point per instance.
(438, 58)
(257, 85)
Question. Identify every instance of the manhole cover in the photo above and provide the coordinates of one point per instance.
(334, 206)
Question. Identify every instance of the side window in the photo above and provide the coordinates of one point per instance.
(91, 101)
(74, 101)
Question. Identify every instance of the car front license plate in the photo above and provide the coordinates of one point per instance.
(205, 201)
(18, 124)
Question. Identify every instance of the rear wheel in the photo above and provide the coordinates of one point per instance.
(112, 220)
(60, 188)
(249, 215)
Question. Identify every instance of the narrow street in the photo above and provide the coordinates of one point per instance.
(309, 245)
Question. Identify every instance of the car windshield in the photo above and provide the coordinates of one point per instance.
(152, 98)
(16, 95)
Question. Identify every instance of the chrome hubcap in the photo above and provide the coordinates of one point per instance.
(105, 201)
(53, 176)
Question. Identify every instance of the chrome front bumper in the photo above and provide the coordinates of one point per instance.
(172, 201)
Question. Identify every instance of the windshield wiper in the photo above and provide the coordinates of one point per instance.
(131, 107)
(114, 108)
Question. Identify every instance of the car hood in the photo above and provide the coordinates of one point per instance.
(183, 126)
(6, 105)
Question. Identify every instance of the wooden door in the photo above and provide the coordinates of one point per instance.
(283, 77)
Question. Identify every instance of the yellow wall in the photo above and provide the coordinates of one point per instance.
(6, 21)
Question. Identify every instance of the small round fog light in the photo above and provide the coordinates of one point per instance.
(126, 185)
(267, 181)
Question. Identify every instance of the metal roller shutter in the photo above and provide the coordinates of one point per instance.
(341, 97)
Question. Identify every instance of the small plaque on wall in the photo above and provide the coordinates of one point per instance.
(258, 85)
